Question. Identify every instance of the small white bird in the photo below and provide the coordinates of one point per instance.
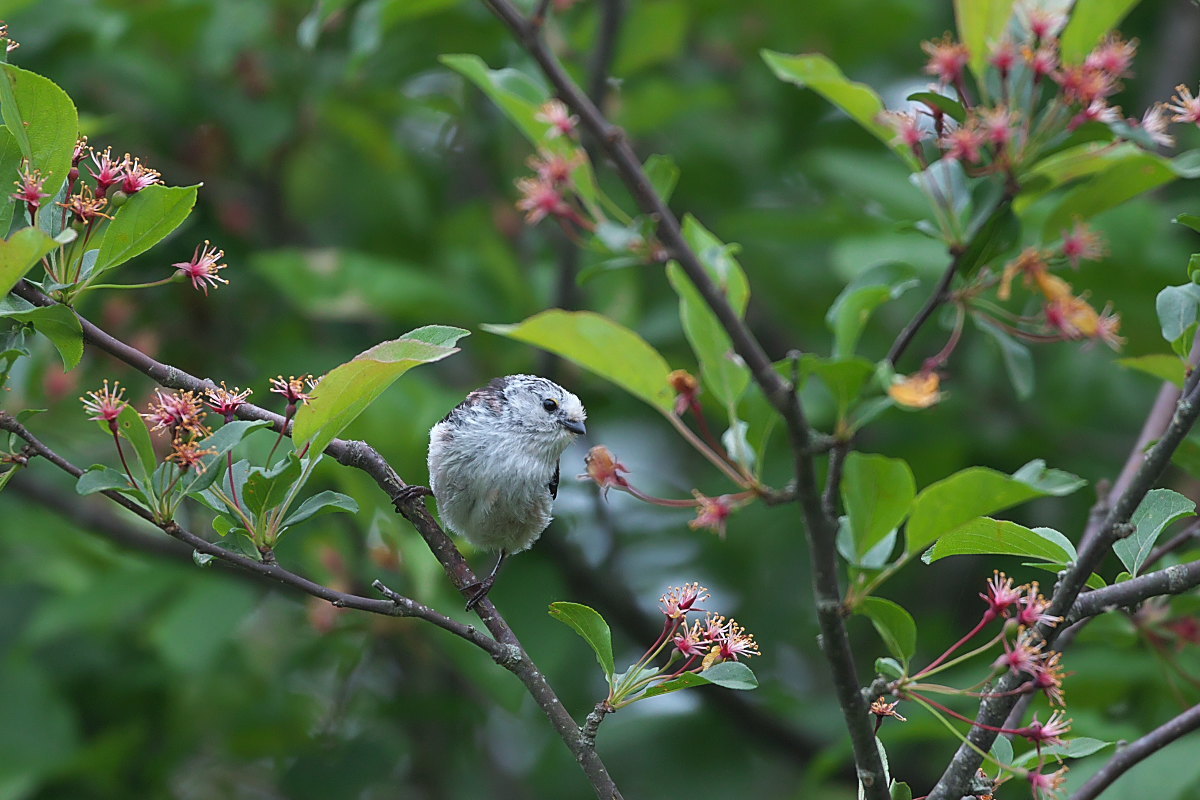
(493, 464)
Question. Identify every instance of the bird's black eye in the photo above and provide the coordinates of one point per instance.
(550, 405)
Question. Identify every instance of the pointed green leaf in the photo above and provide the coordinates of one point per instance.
(894, 625)
(858, 100)
(1047, 480)
(266, 488)
(588, 623)
(601, 346)
(144, 221)
(43, 121)
(727, 674)
(348, 389)
(100, 478)
(987, 536)
(10, 162)
(1090, 20)
(722, 371)
(20, 253)
(877, 492)
(954, 501)
(322, 503)
(1164, 366)
(853, 307)
(1176, 308)
(57, 323)
(980, 24)
(1158, 509)
(133, 429)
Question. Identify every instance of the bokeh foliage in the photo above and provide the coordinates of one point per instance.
(362, 188)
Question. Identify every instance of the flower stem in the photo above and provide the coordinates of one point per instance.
(988, 616)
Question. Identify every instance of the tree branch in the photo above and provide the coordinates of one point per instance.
(1172, 580)
(941, 293)
(993, 710)
(780, 393)
(361, 456)
(1140, 749)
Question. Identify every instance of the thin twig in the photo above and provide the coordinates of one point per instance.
(1172, 580)
(1137, 751)
(941, 293)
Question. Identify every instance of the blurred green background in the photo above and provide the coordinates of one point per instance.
(360, 189)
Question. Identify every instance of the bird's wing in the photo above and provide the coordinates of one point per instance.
(553, 486)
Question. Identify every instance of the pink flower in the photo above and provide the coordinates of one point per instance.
(203, 268)
(177, 411)
(1050, 732)
(555, 114)
(137, 176)
(1047, 786)
(1113, 56)
(1042, 60)
(604, 469)
(106, 405)
(541, 198)
(1003, 57)
(226, 402)
(907, 128)
(292, 388)
(1154, 122)
(1001, 594)
(998, 125)
(111, 171)
(713, 513)
(736, 642)
(29, 188)
(947, 59)
(1081, 243)
(1186, 107)
(964, 143)
(1020, 657)
(690, 641)
(1042, 24)
(679, 600)
(555, 168)
(1031, 608)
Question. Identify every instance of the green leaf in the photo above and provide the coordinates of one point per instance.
(600, 346)
(57, 323)
(954, 501)
(721, 370)
(980, 24)
(858, 100)
(43, 121)
(1094, 581)
(844, 377)
(850, 311)
(727, 674)
(227, 437)
(894, 625)
(133, 429)
(1074, 748)
(1158, 509)
(19, 253)
(987, 536)
(947, 105)
(100, 478)
(10, 162)
(1002, 750)
(266, 488)
(144, 221)
(889, 668)
(1176, 308)
(877, 492)
(588, 623)
(322, 503)
(1190, 220)
(1018, 361)
(1046, 480)
(1124, 178)
(901, 790)
(1090, 20)
(1164, 366)
(348, 389)
(663, 174)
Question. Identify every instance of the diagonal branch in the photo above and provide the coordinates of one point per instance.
(1140, 749)
(782, 395)
(1172, 580)
(362, 456)
(993, 710)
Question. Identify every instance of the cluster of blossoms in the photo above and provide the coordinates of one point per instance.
(550, 191)
(1021, 609)
(691, 646)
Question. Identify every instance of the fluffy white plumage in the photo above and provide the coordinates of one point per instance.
(493, 461)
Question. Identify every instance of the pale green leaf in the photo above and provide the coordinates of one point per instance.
(19, 253)
(588, 623)
(1158, 509)
(142, 222)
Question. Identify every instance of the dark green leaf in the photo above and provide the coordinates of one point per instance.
(588, 623)
(987, 536)
(43, 121)
(1164, 366)
(894, 625)
(961, 498)
(143, 221)
(947, 105)
(1158, 509)
(901, 790)
(57, 323)
(100, 478)
(1190, 220)
(323, 503)
(265, 489)
(877, 492)
(600, 346)
(347, 390)
(133, 429)
(858, 100)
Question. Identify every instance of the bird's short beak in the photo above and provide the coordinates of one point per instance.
(574, 426)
